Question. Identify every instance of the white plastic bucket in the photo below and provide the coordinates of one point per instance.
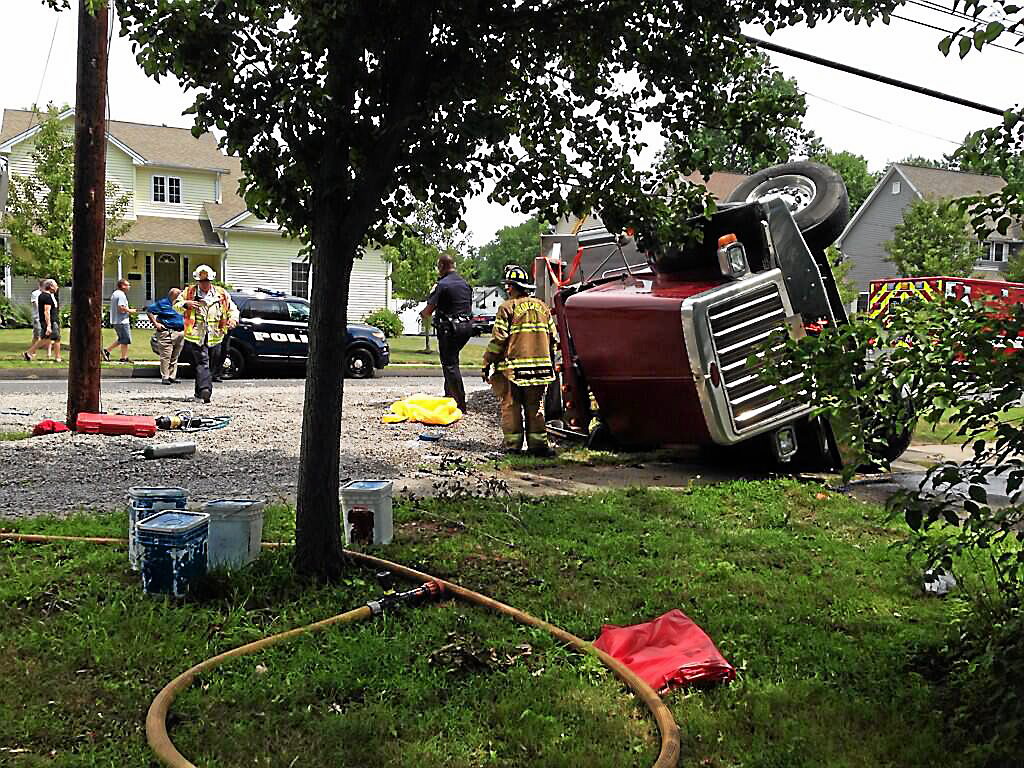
(236, 531)
(376, 496)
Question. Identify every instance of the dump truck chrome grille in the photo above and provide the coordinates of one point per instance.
(748, 334)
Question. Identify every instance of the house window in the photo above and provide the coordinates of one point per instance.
(997, 251)
(896, 187)
(300, 279)
(173, 190)
(159, 189)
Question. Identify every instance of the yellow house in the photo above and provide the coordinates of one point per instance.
(184, 210)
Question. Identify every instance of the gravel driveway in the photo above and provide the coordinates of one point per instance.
(256, 455)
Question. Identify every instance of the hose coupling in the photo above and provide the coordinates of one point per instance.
(430, 590)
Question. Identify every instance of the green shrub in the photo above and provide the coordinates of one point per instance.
(985, 684)
(387, 321)
(14, 315)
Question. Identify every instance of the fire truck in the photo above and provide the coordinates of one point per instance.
(676, 347)
(884, 295)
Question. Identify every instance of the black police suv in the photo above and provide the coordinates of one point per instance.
(273, 329)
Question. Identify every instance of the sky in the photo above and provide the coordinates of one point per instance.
(880, 122)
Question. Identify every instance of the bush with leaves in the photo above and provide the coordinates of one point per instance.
(387, 321)
(14, 315)
(957, 363)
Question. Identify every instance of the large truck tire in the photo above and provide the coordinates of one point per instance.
(816, 196)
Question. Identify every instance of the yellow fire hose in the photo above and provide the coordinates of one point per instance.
(156, 719)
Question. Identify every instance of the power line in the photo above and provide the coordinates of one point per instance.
(764, 44)
(46, 68)
(959, 15)
(880, 119)
(964, 35)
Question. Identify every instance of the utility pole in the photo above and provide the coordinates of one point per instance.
(90, 208)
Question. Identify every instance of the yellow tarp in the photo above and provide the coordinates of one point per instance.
(425, 409)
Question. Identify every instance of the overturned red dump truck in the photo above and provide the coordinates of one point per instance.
(673, 348)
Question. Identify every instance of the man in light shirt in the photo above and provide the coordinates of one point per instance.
(120, 321)
(37, 329)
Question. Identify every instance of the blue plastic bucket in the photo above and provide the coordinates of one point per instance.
(173, 546)
(145, 501)
(236, 531)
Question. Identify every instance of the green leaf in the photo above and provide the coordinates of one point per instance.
(978, 493)
(965, 46)
(944, 45)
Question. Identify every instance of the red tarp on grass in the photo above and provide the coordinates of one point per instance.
(667, 652)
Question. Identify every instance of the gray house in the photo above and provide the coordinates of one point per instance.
(875, 221)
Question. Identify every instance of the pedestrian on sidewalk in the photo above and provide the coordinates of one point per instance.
(120, 321)
(49, 321)
(520, 353)
(37, 329)
(450, 303)
(168, 334)
(209, 314)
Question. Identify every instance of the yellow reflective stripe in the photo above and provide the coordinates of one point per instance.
(495, 348)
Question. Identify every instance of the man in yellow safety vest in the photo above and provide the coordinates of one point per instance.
(520, 353)
(209, 314)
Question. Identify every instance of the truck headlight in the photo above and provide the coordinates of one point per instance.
(784, 443)
(732, 259)
(378, 335)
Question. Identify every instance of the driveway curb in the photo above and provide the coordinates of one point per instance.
(153, 372)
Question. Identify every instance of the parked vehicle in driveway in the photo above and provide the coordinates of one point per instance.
(483, 322)
(273, 330)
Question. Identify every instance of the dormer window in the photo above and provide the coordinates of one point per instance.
(166, 189)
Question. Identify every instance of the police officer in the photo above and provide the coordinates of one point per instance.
(520, 352)
(450, 303)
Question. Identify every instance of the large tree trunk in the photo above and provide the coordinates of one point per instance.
(318, 551)
(89, 214)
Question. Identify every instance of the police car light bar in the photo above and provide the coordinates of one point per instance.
(279, 294)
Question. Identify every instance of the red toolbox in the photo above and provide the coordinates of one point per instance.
(111, 424)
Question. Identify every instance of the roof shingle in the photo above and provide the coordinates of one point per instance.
(176, 233)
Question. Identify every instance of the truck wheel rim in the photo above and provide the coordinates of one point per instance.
(796, 191)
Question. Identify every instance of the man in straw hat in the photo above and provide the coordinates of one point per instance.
(209, 314)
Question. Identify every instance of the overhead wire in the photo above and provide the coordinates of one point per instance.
(960, 15)
(880, 119)
(895, 82)
(46, 68)
(962, 35)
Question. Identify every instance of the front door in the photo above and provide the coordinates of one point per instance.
(166, 273)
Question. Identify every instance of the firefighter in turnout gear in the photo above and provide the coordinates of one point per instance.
(520, 353)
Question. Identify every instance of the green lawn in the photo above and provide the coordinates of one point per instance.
(409, 349)
(801, 589)
(15, 342)
(946, 432)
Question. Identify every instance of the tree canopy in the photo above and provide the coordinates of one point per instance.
(933, 239)
(854, 170)
(39, 207)
(347, 113)
(514, 244)
(745, 143)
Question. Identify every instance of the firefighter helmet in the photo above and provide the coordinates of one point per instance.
(519, 277)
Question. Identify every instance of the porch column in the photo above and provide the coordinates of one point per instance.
(120, 274)
(8, 269)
